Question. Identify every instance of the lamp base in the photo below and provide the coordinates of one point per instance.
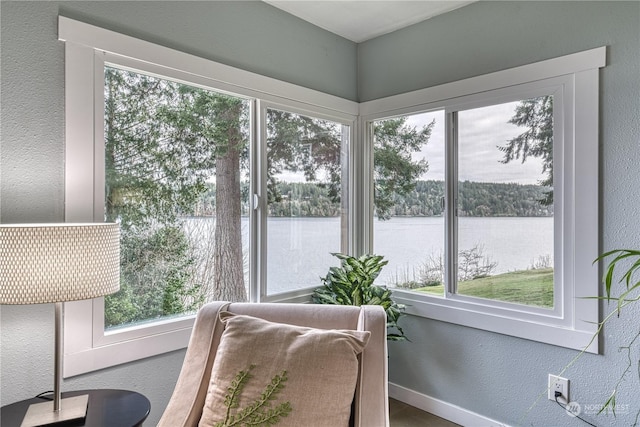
(42, 414)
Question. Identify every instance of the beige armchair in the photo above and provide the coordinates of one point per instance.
(370, 405)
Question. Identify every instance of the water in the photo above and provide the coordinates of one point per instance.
(299, 248)
(299, 251)
(513, 243)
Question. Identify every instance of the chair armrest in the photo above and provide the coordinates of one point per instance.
(185, 406)
(372, 392)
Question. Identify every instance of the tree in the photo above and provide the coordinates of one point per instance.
(536, 115)
(164, 141)
(214, 123)
(145, 191)
(395, 173)
(298, 143)
(145, 179)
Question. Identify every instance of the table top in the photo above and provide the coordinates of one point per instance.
(107, 407)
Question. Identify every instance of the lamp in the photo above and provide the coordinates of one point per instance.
(54, 263)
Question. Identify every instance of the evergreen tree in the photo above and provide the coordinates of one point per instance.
(145, 190)
(536, 115)
(163, 143)
(395, 172)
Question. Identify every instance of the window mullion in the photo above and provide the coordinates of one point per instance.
(451, 203)
(366, 195)
(346, 149)
(259, 209)
(254, 200)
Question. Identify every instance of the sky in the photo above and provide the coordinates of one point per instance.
(481, 131)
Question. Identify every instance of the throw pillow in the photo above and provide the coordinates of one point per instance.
(284, 375)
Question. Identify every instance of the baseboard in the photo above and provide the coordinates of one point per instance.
(442, 409)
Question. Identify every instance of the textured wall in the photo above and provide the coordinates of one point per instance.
(248, 35)
(498, 376)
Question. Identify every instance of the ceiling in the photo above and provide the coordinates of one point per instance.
(359, 21)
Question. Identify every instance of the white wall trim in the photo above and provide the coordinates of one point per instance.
(440, 408)
(101, 39)
(563, 65)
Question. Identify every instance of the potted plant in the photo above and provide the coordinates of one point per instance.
(352, 284)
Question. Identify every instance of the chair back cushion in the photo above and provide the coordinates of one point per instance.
(267, 372)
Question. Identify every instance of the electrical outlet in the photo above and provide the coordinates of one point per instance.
(558, 384)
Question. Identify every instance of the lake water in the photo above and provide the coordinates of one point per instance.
(299, 248)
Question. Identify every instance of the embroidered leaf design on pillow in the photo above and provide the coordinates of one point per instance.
(260, 412)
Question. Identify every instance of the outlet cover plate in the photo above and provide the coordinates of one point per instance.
(560, 384)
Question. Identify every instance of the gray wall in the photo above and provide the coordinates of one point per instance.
(494, 375)
(491, 374)
(248, 35)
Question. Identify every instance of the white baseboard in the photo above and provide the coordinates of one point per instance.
(442, 409)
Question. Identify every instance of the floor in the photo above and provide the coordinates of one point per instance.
(403, 415)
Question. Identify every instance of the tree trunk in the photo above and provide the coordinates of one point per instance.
(228, 259)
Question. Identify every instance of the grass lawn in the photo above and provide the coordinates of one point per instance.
(530, 287)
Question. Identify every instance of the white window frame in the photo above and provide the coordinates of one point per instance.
(87, 49)
(574, 81)
(300, 295)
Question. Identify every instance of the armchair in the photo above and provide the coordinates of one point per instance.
(370, 404)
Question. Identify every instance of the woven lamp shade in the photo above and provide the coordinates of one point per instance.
(48, 263)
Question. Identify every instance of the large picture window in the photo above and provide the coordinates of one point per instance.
(223, 189)
(487, 214)
(501, 230)
(176, 180)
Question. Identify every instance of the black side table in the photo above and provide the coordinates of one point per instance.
(107, 408)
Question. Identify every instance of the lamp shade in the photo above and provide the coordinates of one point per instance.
(48, 263)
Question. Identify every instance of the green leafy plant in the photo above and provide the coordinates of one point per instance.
(260, 412)
(627, 277)
(352, 284)
(629, 261)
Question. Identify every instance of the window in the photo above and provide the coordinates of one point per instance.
(484, 202)
(253, 182)
(176, 180)
(409, 222)
(503, 220)
(223, 190)
(501, 163)
(306, 214)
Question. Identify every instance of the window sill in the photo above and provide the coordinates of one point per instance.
(579, 336)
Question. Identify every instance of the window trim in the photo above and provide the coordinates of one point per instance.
(576, 324)
(87, 49)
